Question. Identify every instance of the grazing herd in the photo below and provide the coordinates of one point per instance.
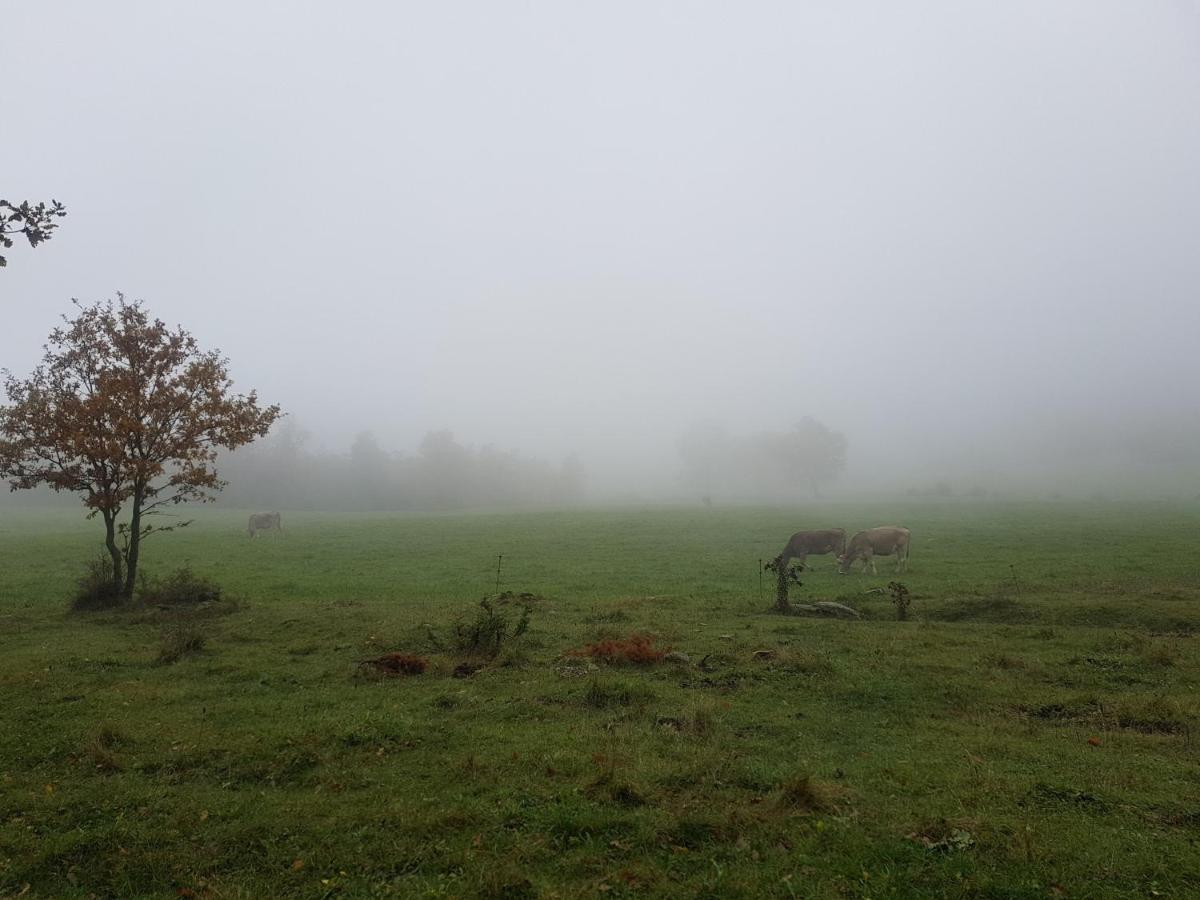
(886, 540)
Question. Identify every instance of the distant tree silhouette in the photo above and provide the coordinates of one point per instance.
(809, 454)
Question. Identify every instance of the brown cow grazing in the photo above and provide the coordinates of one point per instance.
(802, 543)
(882, 541)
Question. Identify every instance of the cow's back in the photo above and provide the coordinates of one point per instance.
(830, 540)
(886, 538)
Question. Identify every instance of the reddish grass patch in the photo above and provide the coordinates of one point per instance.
(398, 664)
(637, 649)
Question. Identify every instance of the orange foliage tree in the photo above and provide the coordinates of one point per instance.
(130, 414)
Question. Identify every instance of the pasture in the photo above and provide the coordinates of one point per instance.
(1032, 731)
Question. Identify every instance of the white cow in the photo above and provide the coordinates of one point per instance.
(882, 541)
(264, 522)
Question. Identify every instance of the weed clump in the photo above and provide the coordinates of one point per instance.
(181, 588)
(637, 649)
(100, 748)
(900, 598)
(485, 634)
(603, 695)
(178, 641)
(397, 664)
(96, 588)
(803, 794)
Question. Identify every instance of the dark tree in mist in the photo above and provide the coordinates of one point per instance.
(130, 414)
(369, 469)
(809, 454)
(36, 223)
(768, 464)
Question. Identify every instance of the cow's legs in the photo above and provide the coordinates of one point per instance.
(871, 562)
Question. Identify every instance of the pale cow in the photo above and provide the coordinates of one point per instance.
(882, 541)
(264, 522)
(803, 543)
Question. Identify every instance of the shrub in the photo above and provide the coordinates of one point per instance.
(96, 588)
(179, 641)
(181, 588)
(487, 632)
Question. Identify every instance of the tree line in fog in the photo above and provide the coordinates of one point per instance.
(281, 471)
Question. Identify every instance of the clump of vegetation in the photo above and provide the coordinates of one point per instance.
(785, 576)
(900, 598)
(181, 588)
(637, 649)
(803, 661)
(180, 640)
(942, 837)
(97, 589)
(397, 664)
(484, 635)
(605, 694)
(100, 749)
(804, 794)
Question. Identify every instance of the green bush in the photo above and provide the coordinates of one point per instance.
(96, 588)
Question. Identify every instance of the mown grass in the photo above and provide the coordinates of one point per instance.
(1031, 731)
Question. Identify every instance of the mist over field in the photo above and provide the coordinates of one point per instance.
(543, 249)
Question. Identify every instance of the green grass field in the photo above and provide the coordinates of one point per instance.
(1032, 731)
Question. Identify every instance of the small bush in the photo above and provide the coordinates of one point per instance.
(486, 633)
(179, 641)
(637, 649)
(96, 588)
(181, 588)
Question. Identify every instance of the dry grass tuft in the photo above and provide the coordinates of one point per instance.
(179, 641)
(637, 649)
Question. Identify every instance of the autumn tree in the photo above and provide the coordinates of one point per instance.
(35, 223)
(130, 414)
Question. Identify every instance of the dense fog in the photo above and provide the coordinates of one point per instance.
(491, 254)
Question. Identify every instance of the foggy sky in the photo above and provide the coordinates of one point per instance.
(945, 229)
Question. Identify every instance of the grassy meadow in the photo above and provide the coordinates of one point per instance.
(1033, 730)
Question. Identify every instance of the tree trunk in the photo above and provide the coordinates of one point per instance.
(110, 541)
(135, 540)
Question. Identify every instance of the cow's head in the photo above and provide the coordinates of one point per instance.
(844, 564)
